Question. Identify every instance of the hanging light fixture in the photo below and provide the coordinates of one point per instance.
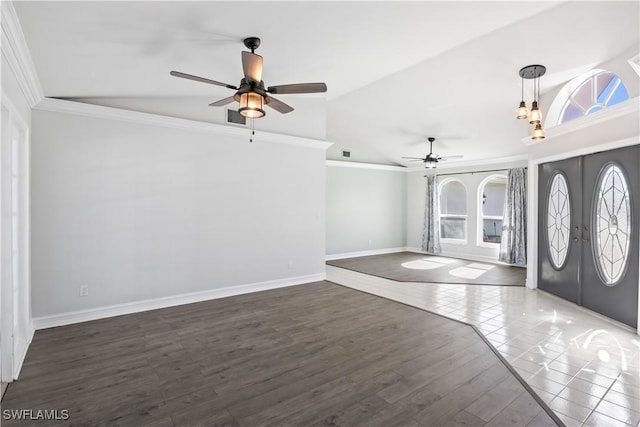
(538, 133)
(251, 104)
(532, 72)
(522, 112)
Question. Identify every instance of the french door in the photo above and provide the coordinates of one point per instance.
(589, 211)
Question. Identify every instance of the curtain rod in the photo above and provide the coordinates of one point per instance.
(463, 173)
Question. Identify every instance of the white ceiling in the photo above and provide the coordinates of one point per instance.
(397, 72)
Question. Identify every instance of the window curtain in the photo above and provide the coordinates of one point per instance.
(431, 233)
(513, 245)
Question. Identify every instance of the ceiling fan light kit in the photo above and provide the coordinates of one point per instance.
(251, 94)
(532, 72)
(251, 105)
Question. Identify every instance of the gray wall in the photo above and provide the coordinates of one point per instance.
(366, 209)
(138, 211)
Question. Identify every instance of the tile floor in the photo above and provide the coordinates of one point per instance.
(586, 368)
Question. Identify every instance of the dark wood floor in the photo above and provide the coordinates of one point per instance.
(390, 267)
(310, 355)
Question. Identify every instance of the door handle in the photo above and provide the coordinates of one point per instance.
(575, 239)
(585, 240)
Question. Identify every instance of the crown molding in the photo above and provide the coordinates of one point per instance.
(358, 165)
(15, 50)
(110, 113)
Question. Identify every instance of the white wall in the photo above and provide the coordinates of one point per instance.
(138, 211)
(366, 208)
(472, 248)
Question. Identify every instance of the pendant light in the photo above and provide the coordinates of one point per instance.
(535, 115)
(538, 133)
(532, 72)
(522, 112)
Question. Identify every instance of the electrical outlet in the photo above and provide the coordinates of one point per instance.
(84, 290)
(290, 264)
(369, 242)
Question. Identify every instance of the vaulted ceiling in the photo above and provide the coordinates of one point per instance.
(397, 72)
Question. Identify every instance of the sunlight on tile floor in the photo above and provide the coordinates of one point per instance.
(585, 368)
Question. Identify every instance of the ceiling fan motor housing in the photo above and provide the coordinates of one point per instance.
(252, 43)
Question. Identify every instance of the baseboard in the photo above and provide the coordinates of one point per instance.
(156, 303)
(22, 354)
(364, 253)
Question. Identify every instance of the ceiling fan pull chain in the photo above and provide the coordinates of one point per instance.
(253, 131)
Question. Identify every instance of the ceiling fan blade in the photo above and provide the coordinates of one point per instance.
(222, 102)
(252, 66)
(278, 105)
(201, 79)
(459, 156)
(298, 88)
(413, 158)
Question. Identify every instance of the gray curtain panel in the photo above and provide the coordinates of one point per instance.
(513, 246)
(431, 233)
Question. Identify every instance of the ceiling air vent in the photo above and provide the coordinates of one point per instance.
(235, 118)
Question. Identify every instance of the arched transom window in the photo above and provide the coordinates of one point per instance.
(598, 91)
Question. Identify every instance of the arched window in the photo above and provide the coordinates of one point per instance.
(453, 210)
(492, 192)
(586, 94)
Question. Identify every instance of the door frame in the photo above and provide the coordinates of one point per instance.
(532, 201)
(14, 340)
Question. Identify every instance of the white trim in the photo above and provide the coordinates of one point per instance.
(14, 349)
(630, 106)
(22, 354)
(532, 225)
(15, 50)
(110, 113)
(170, 301)
(332, 257)
(358, 165)
(635, 64)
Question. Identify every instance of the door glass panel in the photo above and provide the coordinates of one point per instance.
(558, 220)
(612, 224)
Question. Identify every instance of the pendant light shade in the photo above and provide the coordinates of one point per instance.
(535, 115)
(522, 111)
(538, 133)
(251, 104)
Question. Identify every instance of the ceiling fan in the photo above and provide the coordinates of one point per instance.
(252, 94)
(431, 159)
